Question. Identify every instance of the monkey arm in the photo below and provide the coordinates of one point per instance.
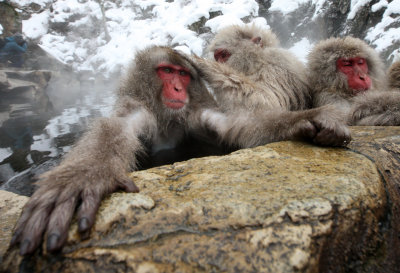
(376, 108)
(324, 126)
(96, 166)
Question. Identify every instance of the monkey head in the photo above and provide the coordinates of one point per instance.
(170, 82)
(236, 45)
(345, 66)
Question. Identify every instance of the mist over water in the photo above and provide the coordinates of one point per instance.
(34, 142)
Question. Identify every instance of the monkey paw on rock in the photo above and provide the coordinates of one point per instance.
(50, 209)
(331, 133)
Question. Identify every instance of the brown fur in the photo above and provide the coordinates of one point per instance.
(394, 75)
(376, 106)
(263, 91)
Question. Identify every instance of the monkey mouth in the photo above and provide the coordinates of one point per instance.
(174, 104)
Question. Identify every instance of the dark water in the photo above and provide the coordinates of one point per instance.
(31, 142)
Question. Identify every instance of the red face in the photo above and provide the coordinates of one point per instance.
(175, 81)
(356, 71)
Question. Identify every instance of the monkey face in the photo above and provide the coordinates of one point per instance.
(175, 80)
(356, 72)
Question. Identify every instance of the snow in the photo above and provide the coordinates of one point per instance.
(301, 49)
(355, 6)
(36, 26)
(385, 32)
(135, 24)
(287, 6)
(1, 29)
(132, 25)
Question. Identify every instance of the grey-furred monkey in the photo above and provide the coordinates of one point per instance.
(252, 75)
(348, 73)
(157, 110)
(163, 105)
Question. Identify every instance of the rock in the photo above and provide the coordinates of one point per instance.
(10, 208)
(24, 90)
(9, 19)
(283, 207)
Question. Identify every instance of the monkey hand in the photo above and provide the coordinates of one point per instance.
(376, 108)
(329, 131)
(50, 209)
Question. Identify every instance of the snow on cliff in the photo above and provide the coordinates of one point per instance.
(134, 24)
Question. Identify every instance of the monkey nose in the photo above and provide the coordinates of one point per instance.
(178, 87)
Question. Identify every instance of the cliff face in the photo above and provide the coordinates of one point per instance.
(373, 21)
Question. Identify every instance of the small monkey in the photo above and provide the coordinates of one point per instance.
(349, 74)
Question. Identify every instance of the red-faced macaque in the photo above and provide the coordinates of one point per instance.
(251, 74)
(161, 96)
(163, 111)
(349, 74)
(394, 76)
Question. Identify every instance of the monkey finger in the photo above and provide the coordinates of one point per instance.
(87, 210)
(19, 228)
(37, 200)
(57, 230)
(127, 185)
(33, 231)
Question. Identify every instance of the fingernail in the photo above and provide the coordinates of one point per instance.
(83, 224)
(52, 241)
(24, 249)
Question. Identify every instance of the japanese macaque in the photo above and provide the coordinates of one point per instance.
(349, 74)
(252, 74)
(160, 97)
(162, 105)
(394, 76)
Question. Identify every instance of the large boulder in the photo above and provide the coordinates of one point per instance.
(283, 207)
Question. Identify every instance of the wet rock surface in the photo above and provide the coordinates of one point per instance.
(283, 207)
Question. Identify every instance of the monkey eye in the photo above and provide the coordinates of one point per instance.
(347, 63)
(167, 70)
(360, 61)
(183, 73)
